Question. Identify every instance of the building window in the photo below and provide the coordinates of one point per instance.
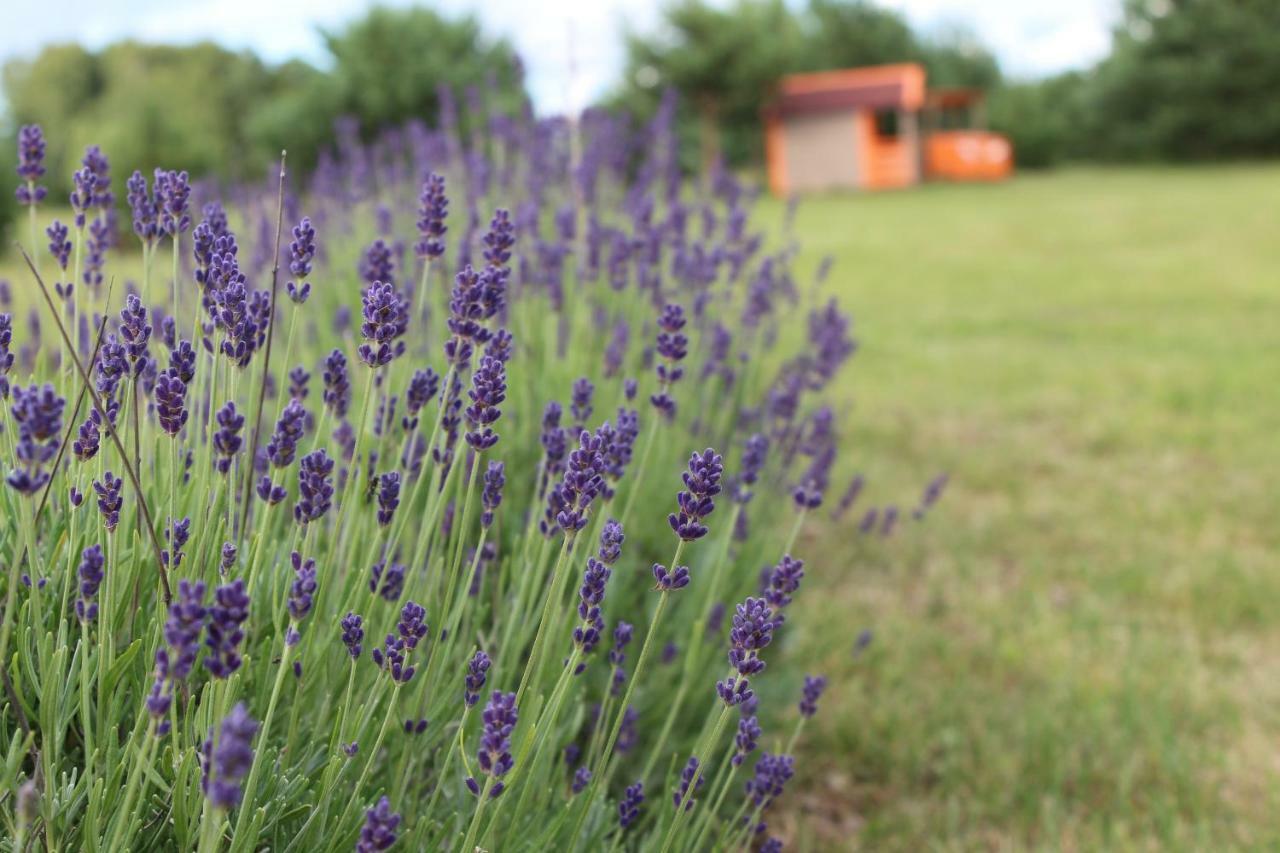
(887, 123)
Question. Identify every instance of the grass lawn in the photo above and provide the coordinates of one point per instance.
(1080, 648)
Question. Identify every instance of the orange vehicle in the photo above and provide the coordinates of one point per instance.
(877, 128)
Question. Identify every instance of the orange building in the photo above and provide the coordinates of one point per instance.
(877, 128)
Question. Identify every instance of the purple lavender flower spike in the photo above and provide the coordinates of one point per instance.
(393, 657)
(230, 761)
(182, 359)
(269, 492)
(499, 346)
(109, 500)
(223, 637)
(145, 223)
(569, 502)
(782, 582)
(488, 391)
(477, 672)
(337, 386)
(387, 582)
(422, 387)
(81, 199)
(868, 522)
(673, 346)
(6, 355)
(494, 755)
(30, 165)
(499, 239)
(90, 572)
(754, 456)
(59, 243)
(388, 497)
(377, 265)
(303, 588)
(38, 413)
(752, 631)
(171, 402)
(583, 391)
(581, 778)
(746, 739)
(932, 492)
(586, 636)
(491, 497)
(298, 379)
(622, 634)
(173, 191)
(813, 687)
(315, 487)
(228, 557)
(385, 320)
(772, 774)
(629, 805)
(353, 634)
(135, 332)
(379, 830)
(176, 659)
(283, 445)
(850, 496)
(433, 210)
(702, 484)
(226, 439)
(687, 775)
(177, 536)
(301, 252)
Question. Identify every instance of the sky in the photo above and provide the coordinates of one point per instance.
(1030, 38)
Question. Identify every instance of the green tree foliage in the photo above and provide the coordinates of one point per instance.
(1048, 121)
(218, 112)
(1191, 80)
(722, 61)
(389, 66)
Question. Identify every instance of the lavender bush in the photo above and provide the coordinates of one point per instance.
(352, 554)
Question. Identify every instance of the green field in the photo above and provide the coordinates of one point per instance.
(1080, 648)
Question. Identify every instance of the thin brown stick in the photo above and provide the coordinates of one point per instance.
(115, 438)
(266, 357)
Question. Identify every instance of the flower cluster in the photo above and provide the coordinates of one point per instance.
(386, 318)
(494, 756)
(752, 631)
(227, 761)
(586, 636)
(302, 250)
(672, 346)
(393, 657)
(702, 484)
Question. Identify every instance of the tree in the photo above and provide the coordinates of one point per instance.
(723, 61)
(389, 66)
(1191, 80)
(843, 34)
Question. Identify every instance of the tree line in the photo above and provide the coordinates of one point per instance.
(1185, 80)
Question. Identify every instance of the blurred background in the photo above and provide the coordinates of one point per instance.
(1081, 648)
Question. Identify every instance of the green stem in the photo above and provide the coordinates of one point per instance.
(250, 787)
(705, 750)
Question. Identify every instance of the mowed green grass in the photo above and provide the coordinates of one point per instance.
(1080, 648)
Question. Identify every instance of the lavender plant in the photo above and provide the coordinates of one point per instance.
(544, 434)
